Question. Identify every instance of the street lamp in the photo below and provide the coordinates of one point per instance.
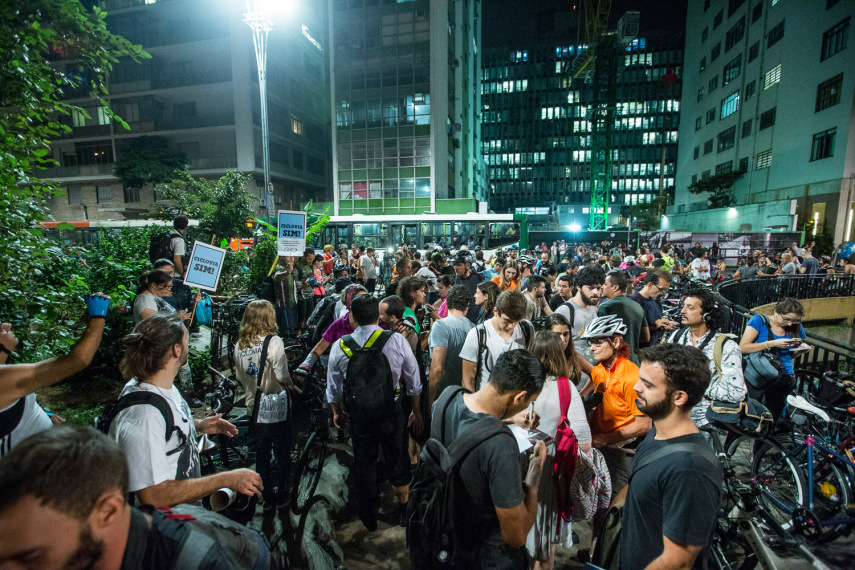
(257, 16)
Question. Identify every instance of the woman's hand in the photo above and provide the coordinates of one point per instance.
(779, 343)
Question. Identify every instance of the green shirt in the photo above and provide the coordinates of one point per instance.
(408, 312)
(304, 271)
(633, 317)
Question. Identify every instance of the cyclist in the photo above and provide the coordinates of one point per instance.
(616, 420)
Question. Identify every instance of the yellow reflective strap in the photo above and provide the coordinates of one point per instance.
(374, 336)
(346, 350)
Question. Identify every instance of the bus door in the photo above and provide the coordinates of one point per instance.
(404, 233)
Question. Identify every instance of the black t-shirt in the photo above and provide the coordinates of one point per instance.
(556, 301)
(676, 496)
(471, 283)
(492, 477)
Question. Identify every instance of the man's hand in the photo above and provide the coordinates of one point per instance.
(246, 482)
(7, 337)
(535, 465)
(216, 425)
(416, 422)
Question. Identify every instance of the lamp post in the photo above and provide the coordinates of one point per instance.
(257, 16)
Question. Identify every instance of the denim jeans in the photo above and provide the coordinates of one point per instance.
(276, 439)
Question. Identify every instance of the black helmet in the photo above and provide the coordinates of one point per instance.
(461, 256)
(526, 260)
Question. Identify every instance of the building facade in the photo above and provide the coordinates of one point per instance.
(537, 136)
(200, 92)
(769, 93)
(403, 84)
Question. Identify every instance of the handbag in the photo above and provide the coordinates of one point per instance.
(749, 418)
(761, 368)
(268, 408)
(566, 452)
(591, 486)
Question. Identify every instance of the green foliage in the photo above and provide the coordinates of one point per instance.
(222, 206)
(718, 187)
(148, 160)
(649, 215)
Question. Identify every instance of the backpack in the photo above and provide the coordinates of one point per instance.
(528, 332)
(204, 539)
(321, 318)
(102, 423)
(369, 394)
(430, 510)
(606, 550)
(160, 246)
(566, 451)
(266, 291)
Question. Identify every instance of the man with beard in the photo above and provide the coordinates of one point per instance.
(63, 506)
(672, 501)
(165, 471)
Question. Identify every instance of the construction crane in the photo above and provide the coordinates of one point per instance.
(601, 63)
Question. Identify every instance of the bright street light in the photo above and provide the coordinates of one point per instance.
(575, 228)
(257, 16)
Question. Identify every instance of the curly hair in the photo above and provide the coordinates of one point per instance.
(715, 307)
(259, 320)
(409, 286)
(686, 369)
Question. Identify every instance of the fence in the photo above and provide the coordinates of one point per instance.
(750, 293)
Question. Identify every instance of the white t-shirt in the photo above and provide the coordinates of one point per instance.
(495, 344)
(33, 420)
(548, 407)
(177, 244)
(369, 270)
(430, 276)
(148, 301)
(247, 364)
(139, 431)
(701, 269)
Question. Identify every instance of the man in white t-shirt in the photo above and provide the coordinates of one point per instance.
(369, 264)
(701, 266)
(20, 414)
(166, 471)
(589, 282)
(501, 334)
(177, 244)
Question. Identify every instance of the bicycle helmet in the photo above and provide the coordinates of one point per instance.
(461, 256)
(604, 327)
(526, 260)
(340, 266)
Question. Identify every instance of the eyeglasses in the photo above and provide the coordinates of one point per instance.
(597, 341)
(789, 321)
(658, 288)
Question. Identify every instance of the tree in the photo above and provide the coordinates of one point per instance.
(40, 286)
(718, 187)
(148, 160)
(650, 213)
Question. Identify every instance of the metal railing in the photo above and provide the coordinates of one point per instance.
(826, 354)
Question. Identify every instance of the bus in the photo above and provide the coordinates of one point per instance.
(387, 232)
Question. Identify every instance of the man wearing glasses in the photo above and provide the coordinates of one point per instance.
(656, 284)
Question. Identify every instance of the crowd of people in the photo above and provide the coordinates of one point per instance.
(535, 341)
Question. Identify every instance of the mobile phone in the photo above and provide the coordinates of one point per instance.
(537, 435)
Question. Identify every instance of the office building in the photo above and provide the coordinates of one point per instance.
(769, 93)
(537, 136)
(200, 91)
(404, 77)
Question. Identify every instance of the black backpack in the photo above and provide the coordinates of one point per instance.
(431, 508)
(160, 246)
(321, 318)
(528, 332)
(102, 423)
(266, 291)
(369, 393)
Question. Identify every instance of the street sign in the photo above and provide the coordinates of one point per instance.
(291, 232)
(206, 263)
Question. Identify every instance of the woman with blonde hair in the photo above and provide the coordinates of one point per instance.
(262, 370)
(549, 527)
(509, 278)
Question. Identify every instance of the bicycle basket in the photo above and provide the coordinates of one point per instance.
(832, 389)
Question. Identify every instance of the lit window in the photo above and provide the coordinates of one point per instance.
(764, 159)
(828, 93)
(296, 126)
(730, 105)
(772, 77)
(823, 144)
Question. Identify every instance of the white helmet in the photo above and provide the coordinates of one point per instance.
(603, 327)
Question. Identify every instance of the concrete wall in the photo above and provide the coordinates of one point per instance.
(821, 309)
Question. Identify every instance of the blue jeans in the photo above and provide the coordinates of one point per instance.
(286, 320)
(276, 439)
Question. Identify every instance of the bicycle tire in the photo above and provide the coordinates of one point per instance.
(730, 550)
(301, 528)
(309, 469)
(780, 480)
(832, 488)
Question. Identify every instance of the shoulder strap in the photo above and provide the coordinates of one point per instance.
(696, 448)
(260, 376)
(349, 345)
(148, 398)
(572, 308)
(718, 351)
(437, 430)
(528, 331)
(378, 340)
(766, 323)
(481, 331)
(472, 437)
(564, 395)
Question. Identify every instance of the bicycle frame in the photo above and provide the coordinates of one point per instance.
(810, 442)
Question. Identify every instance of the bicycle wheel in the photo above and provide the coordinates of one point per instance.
(730, 550)
(309, 469)
(740, 454)
(310, 542)
(779, 478)
(832, 489)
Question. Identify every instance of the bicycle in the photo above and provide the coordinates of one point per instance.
(230, 452)
(826, 511)
(744, 521)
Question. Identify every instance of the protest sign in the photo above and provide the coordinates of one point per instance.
(206, 263)
(291, 234)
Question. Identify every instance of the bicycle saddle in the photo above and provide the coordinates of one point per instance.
(802, 404)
